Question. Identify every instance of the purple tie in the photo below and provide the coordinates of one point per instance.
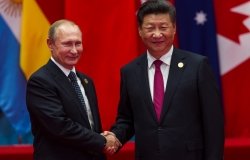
(158, 88)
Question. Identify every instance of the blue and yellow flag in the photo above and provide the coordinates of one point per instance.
(23, 34)
(12, 82)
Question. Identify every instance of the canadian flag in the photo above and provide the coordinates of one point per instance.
(233, 35)
(220, 30)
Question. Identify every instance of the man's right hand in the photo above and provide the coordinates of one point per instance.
(112, 143)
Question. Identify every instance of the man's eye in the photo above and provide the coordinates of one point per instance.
(149, 28)
(78, 44)
(66, 44)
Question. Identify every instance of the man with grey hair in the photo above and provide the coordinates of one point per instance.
(62, 102)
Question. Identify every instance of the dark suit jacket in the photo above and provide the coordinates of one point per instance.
(191, 123)
(61, 130)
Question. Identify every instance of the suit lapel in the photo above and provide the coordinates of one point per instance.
(66, 86)
(175, 73)
(59, 76)
(90, 95)
(142, 76)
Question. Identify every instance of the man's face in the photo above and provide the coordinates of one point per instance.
(67, 46)
(157, 32)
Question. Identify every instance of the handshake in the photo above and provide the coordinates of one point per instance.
(112, 143)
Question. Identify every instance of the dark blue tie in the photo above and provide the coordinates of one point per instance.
(73, 79)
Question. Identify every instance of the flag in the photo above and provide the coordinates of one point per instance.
(34, 50)
(24, 26)
(37, 17)
(223, 28)
(196, 30)
(110, 40)
(233, 34)
(12, 81)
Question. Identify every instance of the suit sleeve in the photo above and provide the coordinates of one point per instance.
(49, 117)
(123, 127)
(212, 113)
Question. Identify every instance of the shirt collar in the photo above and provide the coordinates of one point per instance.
(166, 58)
(65, 70)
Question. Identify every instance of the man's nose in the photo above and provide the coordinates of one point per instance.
(157, 34)
(73, 49)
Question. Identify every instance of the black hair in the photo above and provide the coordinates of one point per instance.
(155, 7)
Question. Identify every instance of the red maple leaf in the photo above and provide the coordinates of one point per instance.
(229, 23)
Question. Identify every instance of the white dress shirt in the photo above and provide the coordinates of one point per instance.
(66, 72)
(166, 59)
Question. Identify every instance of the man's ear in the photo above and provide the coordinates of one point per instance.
(139, 31)
(174, 25)
(49, 44)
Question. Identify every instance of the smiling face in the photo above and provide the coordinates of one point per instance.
(157, 32)
(66, 46)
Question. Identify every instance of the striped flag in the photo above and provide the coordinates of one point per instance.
(35, 26)
(37, 17)
(12, 82)
(22, 52)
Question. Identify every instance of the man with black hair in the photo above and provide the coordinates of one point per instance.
(169, 97)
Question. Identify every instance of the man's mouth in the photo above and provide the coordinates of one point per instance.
(157, 42)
